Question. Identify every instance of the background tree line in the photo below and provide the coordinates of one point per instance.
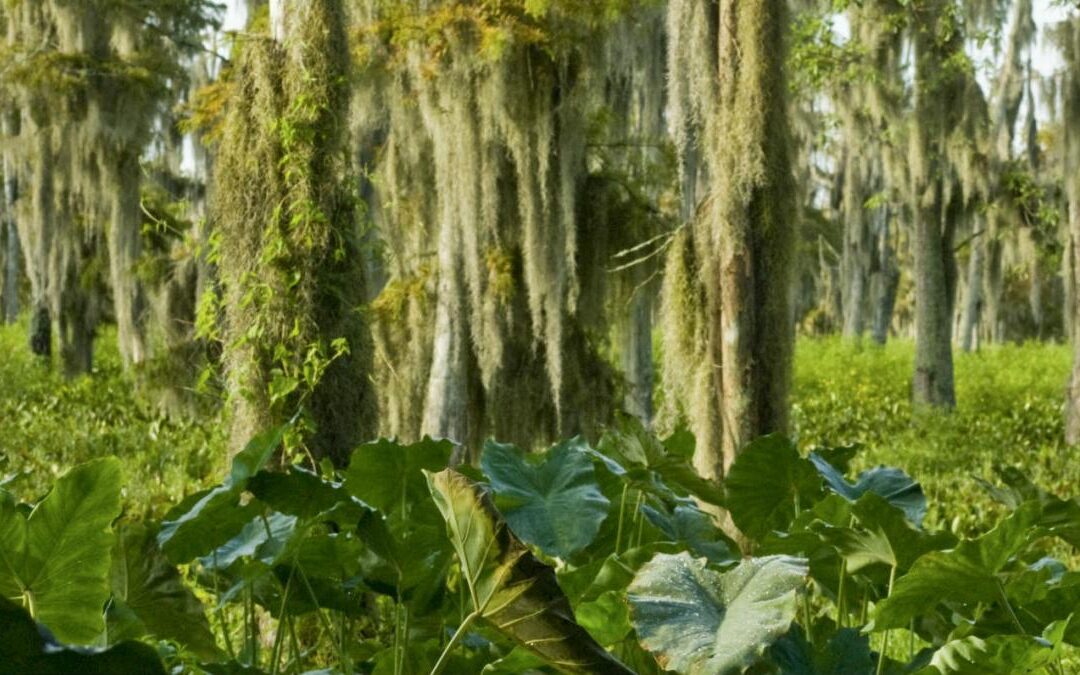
(521, 218)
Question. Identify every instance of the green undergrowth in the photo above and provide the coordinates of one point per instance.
(1009, 413)
(49, 424)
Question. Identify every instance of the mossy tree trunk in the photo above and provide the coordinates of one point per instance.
(296, 338)
(933, 228)
(729, 281)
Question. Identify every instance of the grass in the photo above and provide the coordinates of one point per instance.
(49, 424)
(1009, 412)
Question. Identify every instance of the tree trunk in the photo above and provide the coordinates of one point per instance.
(12, 249)
(932, 383)
(1071, 98)
(751, 239)
(638, 358)
(446, 406)
(886, 281)
(969, 318)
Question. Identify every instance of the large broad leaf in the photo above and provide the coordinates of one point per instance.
(56, 562)
(655, 466)
(701, 622)
(767, 484)
(552, 500)
(1060, 517)
(998, 654)
(966, 574)
(29, 648)
(884, 536)
(206, 520)
(846, 652)
(694, 529)
(509, 588)
(150, 598)
(388, 475)
(893, 485)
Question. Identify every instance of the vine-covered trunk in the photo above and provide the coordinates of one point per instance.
(296, 340)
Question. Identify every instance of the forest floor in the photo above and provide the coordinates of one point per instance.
(1009, 413)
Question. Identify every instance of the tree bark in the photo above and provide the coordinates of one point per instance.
(932, 383)
(12, 249)
(750, 242)
(973, 301)
(886, 281)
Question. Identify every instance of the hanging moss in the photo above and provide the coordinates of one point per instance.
(484, 138)
(295, 335)
(733, 295)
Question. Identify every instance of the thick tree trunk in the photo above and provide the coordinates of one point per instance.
(750, 329)
(935, 268)
(933, 380)
(446, 406)
(125, 246)
(1071, 97)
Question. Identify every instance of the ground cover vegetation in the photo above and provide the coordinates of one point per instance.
(527, 336)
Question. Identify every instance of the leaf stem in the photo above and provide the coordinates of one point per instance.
(885, 639)
(440, 665)
(1008, 606)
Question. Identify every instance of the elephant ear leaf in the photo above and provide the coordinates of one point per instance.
(57, 559)
(150, 598)
(27, 647)
(700, 622)
(509, 587)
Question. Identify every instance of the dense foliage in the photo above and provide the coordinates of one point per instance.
(575, 551)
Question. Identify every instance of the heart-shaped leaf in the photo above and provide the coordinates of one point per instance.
(509, 588)
(767, 483)
(552, 500)
(893, 485)
(150, 598)
(57, 559)
(700, 622)
(966, 574)
(29, 648)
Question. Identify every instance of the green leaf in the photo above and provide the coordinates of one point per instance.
(966, 574)
(256, 454)
(509, 588)
(701, 622)
(687, 525)
(885, 536)
(552, 500)
(895, 486)
(57, 560)
(767, 483)
(389, 476)
(28, 648)
(633, 452)
(150, 598)
(262, 539)
(996, 655)
(848, 651)
(607, 618)
(204, 521)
